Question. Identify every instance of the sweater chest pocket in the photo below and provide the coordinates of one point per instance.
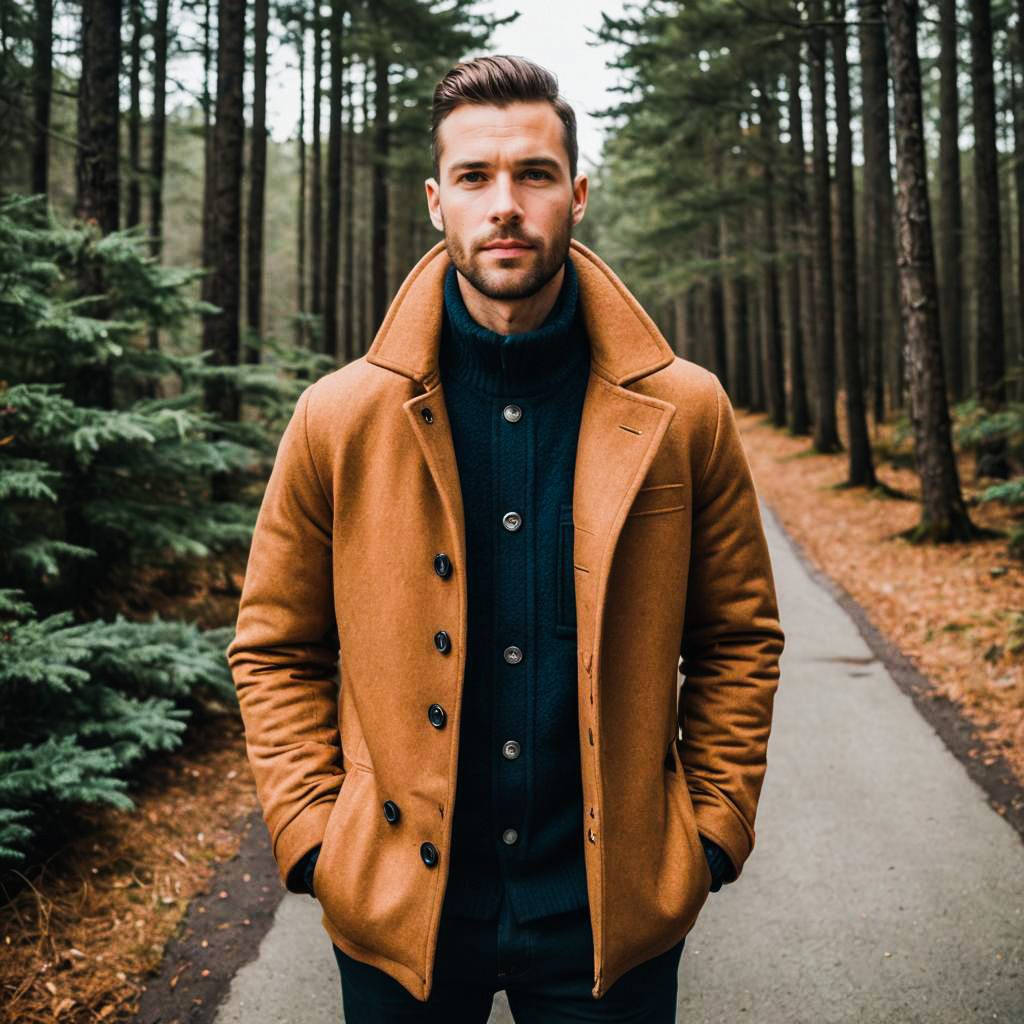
(565, 615)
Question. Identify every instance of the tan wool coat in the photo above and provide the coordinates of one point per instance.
(671, 572)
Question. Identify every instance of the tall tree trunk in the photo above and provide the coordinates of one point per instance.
(365, 185)
(988, 285)
(826, 433)
(719, 343)
(796, 203)
(157, 147)
(300, 268)
(96, 159)
(943, 514)
(209, 163)
(1018, 175)
(951, 217)
(775, 382)
(316, 202)
(381, 146)
(257, 183)
(882, 320)
(133, 213)
(348, 219)
(862, 469)
(332, 254)
(221, 330)
(42, 90)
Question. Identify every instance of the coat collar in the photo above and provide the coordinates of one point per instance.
(625, 345)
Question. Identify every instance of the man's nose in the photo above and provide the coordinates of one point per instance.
(504, 202)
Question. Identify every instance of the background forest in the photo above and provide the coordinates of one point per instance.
(819, 200)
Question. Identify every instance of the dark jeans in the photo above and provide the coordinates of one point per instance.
(545, 967)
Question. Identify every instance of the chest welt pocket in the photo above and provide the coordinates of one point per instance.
(565, 615)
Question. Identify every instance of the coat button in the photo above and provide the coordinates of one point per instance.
(511, 521)
(512, 413)
(428, 851)
(442, 565)
(513, 655)
(391, 811)
(510, 749)
(437, 716)
(509, 836)
(427, 415)
(442, 641)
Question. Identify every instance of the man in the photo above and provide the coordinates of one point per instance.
(513, 521)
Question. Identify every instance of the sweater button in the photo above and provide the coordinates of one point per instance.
(391, 811)
(512, 413)
(511, 521)
(513, 655)
(437, 716)
(442, 565)
(442, 641)
(509, 836)
(510, 750)
(428, 851)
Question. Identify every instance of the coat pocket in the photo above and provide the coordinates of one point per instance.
(565, 615)
(659, 498)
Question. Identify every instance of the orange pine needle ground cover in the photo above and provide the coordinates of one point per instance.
(956, 610)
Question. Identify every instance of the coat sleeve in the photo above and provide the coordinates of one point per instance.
(730, 649)
(284, 655)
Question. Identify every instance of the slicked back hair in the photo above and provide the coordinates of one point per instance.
(498, 81)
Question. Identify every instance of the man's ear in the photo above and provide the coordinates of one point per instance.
(580, 194)
(434, 203)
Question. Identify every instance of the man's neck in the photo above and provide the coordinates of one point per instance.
(511, 316)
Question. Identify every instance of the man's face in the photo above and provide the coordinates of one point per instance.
(504, 199)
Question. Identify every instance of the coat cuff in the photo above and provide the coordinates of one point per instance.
(299, 838)
(719, 823)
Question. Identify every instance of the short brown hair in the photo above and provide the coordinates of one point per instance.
(498, 81)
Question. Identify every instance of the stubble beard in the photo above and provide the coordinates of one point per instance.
(550, 258)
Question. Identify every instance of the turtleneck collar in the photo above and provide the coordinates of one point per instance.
(515, 364)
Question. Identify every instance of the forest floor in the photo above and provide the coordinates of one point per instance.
(89, 925)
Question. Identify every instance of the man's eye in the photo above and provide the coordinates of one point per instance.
(538, 175)
(472, 177)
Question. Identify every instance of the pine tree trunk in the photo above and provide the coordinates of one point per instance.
(988, 284)
(96, 159)
(348, 284)
(42, 90)
(951, 218)
(826, 433)
(771, 330)
(882, 320)
(799, 411)
(157, 146)
(332, 254)
(257, 183)
(300, 146)
(221, 330)
(209, 164)
(316, 201)
(943, 514)
(381, 145)
(365, 186)
(861, 469)
(133, 214)
(1018, 174)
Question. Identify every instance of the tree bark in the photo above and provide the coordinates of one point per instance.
(826, 433)
(861, 465)
(771, 329)
(1018, 174)
(221, 330)
(796, 204)
(348, 219)
(158, 146)
(951, 217)
(42, 91)
(257, 183)
(300, 268)
(943, 513)
(133, 213)
(316, 202)
(381, 146)
(209, 164)
(332, 253)
(96, 159)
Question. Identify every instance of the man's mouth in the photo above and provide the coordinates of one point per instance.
(507, 247)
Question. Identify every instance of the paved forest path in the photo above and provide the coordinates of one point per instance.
(883, 889)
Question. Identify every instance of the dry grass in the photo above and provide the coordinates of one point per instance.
(954, 609)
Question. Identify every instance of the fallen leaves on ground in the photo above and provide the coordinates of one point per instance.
(953, 609)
